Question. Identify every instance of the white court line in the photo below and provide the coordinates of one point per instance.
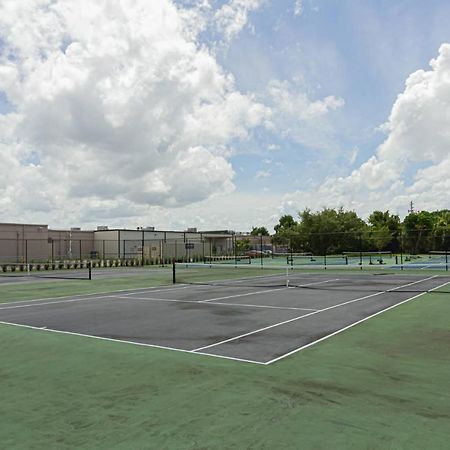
(212, 304)
(149, 289)
(25, 304)
(242, 295)
(263, 292)
(309, 314)
(141, 344)
(231, 283)
(54, 303)
(351, 325)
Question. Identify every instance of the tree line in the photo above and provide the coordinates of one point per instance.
(334, 231)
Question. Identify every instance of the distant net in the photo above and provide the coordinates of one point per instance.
(46, 270)
(237, 259)
(313, 260)
(343, 278)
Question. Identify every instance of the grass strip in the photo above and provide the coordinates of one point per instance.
(382, 384)
(56, 288)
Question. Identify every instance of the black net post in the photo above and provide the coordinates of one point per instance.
(174, 278)
(90, 270)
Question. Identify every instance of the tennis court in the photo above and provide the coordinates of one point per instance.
(251, 319)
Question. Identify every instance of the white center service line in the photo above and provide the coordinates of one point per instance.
(246, 305)
(264, 291)
(309, 314)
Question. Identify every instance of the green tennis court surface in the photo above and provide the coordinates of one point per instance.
(380, 383)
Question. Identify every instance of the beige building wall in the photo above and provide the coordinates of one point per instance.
(36, 243)
(23, 242)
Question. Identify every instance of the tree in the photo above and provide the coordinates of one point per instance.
(384, 231)
(418, 229)
(286, 222)
(441, 230)
(259, 231)
(380, 236)
(242, 245)
(331, 231)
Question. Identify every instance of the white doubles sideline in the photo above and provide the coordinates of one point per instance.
(309, 314)
(352, 325)
(141, 344)
(198, 350)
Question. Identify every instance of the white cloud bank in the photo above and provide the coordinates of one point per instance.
(115, 107)
(417, 132)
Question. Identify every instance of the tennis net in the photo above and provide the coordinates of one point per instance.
(68, 271)
(311, 277)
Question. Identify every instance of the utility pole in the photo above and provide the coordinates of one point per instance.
(411, 208)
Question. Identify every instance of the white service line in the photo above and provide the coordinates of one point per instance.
(121, 341)
(90, 294)
(55, 302)
(265, 291)
(309, 314)
(352, 325)
(231, 283)
(242, 295)
(150, 290)
(211, 304)
(26, 304)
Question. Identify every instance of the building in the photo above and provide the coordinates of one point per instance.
(38, 243)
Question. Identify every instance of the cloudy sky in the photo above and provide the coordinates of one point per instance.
(221, 114)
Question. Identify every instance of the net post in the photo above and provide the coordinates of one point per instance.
(90, 270)
(174, 279)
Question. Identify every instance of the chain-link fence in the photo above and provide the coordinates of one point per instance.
(145, 251)
(354, 247)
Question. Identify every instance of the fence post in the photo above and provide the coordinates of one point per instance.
(401, 250)
(360, 252)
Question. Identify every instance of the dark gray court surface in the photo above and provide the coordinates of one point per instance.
(248, 324)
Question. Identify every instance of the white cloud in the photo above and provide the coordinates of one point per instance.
(298, 7)
(263, 174)
(353, 155)
(417, 132)
(298, 117)
(232, 17)
(120, 106)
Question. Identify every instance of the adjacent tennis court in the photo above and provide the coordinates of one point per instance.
(256, 319)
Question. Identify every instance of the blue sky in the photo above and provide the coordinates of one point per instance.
(360, 51)
(221, 114)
